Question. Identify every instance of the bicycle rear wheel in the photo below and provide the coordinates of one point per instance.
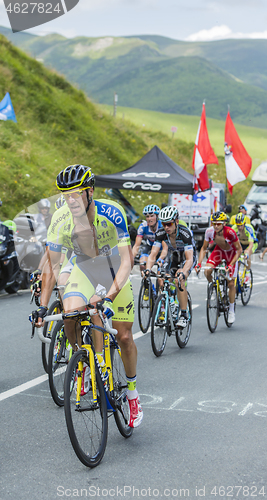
(59, 355)
(212, 307)
(47, 332)
(160, 326)
(183, 334)
(87, 422)
(122, 412)
(246, 286)
(145, 305)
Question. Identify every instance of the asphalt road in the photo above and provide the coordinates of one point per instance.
(204, 433)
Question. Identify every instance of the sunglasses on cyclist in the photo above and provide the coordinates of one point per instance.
(73, 194)
(167, 224)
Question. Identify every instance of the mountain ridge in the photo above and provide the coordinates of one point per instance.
(101, 65)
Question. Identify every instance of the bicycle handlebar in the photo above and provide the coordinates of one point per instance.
(219, 268)
(45, 340)
(76, 314)
(53, 317)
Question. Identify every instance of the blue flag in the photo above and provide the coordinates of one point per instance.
(6, 109)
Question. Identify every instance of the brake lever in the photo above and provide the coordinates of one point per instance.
(34, 316)
(33, 330)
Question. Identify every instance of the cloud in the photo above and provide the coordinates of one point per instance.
(3, 12)
(101, 5)
(220, 6)
(221, 33)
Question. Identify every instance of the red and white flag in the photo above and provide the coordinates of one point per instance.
(237, 161)
(203, 154)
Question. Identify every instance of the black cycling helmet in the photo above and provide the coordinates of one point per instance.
(60, 202)
(75, 176)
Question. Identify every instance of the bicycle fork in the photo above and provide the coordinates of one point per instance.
(90, 354)
(167, 312)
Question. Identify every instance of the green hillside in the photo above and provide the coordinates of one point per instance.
(166, 86)
(154, 72)
(58, 125)
(246, 59)
(254, 139)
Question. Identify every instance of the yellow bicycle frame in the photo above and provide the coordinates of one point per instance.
(107, 357)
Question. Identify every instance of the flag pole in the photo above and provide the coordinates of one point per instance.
(190, 213)
(226, 185)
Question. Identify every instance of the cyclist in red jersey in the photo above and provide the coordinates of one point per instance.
(227, 248)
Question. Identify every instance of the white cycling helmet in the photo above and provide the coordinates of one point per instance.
(43, 203)
(168, 214)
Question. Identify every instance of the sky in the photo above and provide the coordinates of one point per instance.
(189, 20)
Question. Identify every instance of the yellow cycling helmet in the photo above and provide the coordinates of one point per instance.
(240, 219)
(218, 217)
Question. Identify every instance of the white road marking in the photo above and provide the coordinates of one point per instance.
(176, 403)
(243, 412)
(23, 387)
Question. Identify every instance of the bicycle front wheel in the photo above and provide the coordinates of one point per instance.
(160, 326)
(122, 412)
(212, 307)
(59, 355)
(87, 421)
(246, 287)
(47, 332)
(182, 335)
(145, 305)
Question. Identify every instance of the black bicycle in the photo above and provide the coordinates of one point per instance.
(165, 315)
(244, 281)
(217, 297)
(146, 300)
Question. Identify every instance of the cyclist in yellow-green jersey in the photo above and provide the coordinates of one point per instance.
(97, 232)
(246, 235)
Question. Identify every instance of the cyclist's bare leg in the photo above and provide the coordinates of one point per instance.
(62, 280)
(182, 295)
(232, 291)
(161, 283)
(127, 345)
(143, 261)
(208, 272)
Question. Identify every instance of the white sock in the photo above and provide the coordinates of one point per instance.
(232, 307)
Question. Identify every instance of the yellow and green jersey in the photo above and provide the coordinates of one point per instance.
(110, 224)
(247, 236)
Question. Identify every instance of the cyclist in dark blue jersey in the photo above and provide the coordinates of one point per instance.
(146, 234)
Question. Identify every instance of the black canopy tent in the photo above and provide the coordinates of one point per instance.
(154, 172)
